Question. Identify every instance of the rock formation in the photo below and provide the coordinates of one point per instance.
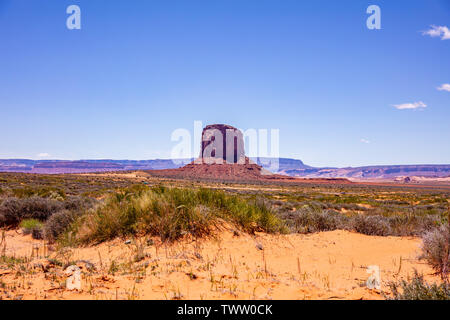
(222, 144)
(222, 157)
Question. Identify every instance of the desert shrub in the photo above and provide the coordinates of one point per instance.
(58, 223)
(170, 224)
(79, 203)
(372, 225)
(43, 192)
(37, 234)
(171, 213)
(308, 220)
(13, 210)
(436, 251)
(32, 226)
(315, 217)
(413, 225)
(417, 289)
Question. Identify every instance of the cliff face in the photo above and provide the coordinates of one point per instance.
(372, 172)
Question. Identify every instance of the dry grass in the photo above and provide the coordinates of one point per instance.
(170, 213)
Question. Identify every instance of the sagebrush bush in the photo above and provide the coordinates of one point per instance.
(436, 249)
(372, 225)
(417, 289)
(312, 217)
(413, 225)
(171, 213)
(79, 203)
(310, 220)
(13, 210)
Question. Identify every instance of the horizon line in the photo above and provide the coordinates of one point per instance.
(178, 159)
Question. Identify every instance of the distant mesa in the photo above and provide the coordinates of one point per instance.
(222, 157)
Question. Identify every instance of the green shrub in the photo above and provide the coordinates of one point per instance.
(417, 289)
(28, 225)
(43, 192)
(171, 213)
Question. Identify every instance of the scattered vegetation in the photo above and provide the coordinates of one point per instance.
(417, 289)
(171, 213)
(43, 192)
(436, 249)
(76, 210)
(42, 217)
(14, 210)
(313, 219)
(194, 207)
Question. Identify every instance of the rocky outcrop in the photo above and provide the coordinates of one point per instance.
(222, 144)
(222, 157)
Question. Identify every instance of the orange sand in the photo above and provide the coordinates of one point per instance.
(327, 265)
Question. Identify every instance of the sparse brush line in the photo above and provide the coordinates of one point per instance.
(310, 220)
(417, 288)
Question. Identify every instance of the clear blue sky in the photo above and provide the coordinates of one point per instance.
(137, 70)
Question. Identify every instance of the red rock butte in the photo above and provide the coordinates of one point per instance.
(222, 143)
(222, 157)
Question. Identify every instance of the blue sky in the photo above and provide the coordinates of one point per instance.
(138, 70)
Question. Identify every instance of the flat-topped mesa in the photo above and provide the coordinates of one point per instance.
(222, 144)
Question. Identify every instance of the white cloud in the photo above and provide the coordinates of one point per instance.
(438, 31)
(415, 105)
(445, 87)
(365, 141)
(43, 155)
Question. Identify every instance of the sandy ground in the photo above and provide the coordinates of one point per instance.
(327, 265)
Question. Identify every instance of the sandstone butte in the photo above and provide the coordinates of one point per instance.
(222, 157)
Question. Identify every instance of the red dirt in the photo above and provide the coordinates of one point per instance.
(232, 172)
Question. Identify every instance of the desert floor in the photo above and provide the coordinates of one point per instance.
(231, 265)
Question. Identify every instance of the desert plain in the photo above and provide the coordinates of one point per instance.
(311, 254)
